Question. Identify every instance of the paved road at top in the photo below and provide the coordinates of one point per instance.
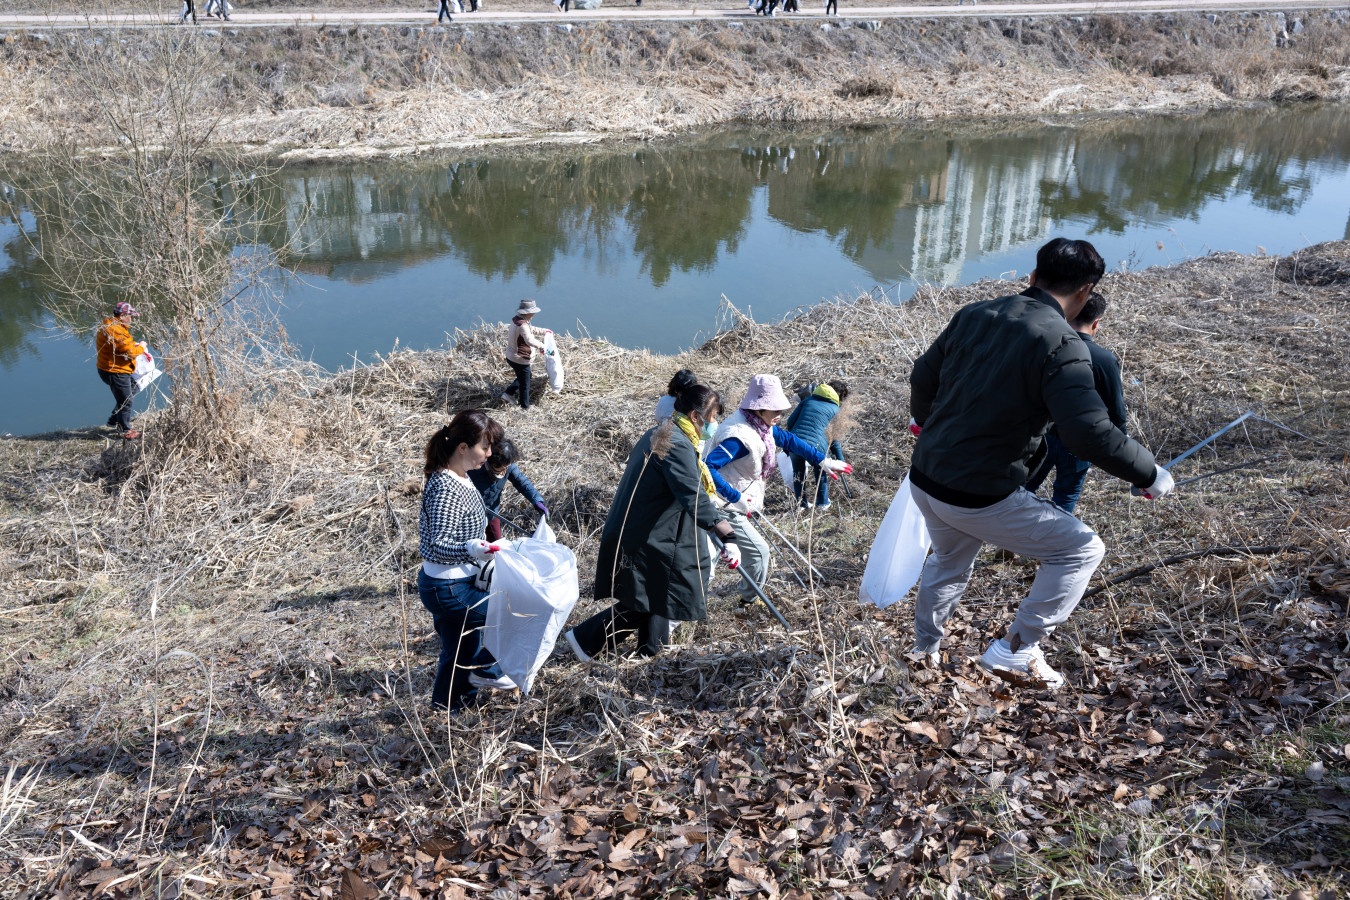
(247, 18)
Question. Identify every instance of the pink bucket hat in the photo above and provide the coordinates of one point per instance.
(766, 392)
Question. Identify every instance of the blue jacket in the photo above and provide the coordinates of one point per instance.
(491, 487)
(813, 416)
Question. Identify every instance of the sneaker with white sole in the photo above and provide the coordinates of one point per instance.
(501, 683)
(576, 648)
(930, 659)
(1025, 668)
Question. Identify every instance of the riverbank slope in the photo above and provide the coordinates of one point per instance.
(216, 668)
(352, 91)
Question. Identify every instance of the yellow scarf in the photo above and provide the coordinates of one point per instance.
(687, 428)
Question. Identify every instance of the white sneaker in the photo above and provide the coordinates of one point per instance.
(501, 683)
(1025, 668)
(576, 648)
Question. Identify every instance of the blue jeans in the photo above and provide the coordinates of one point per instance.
(801, 481)
(1070, 473)
(123, 389)
(459, 611)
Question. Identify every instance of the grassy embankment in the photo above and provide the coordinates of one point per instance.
(387, 90)
(215, 675)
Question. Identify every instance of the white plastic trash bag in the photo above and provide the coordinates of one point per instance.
(534, 589)
(553, 363)
(146, 371)
(785, 469)
(896, 560)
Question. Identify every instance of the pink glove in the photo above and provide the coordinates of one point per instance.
(730, 556)
(915, 428)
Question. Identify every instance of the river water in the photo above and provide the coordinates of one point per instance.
(638, 244)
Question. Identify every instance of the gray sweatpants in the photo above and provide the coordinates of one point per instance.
(1069, 552)
(754, 553)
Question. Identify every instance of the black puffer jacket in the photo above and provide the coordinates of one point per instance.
(988, 386)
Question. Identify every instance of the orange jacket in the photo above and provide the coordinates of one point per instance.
(117, 352)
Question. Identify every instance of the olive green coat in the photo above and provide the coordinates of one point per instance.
(653, 557)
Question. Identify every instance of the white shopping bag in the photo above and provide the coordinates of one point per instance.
(146, 371)
(553, 363)
(896, 560)
(534, 589)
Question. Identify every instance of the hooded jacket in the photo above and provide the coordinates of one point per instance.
(985, 391)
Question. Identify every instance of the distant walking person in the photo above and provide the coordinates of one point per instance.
(189, 9)
(117, 354)
(222, 9)
(831, 7)
(444, 12)
(520, 346)
(1070, 471)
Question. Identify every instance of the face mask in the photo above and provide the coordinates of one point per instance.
(709, 429)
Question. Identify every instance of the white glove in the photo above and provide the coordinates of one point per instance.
(481, 550)
(752, 499)
(835, 467)
(1162, 485)
(730, 556)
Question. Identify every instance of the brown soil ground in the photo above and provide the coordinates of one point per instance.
(215, 669)
(349, 91)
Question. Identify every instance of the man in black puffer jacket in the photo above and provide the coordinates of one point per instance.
(982, 396)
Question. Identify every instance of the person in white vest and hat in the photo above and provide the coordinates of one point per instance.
(744, 456)
(520, 346)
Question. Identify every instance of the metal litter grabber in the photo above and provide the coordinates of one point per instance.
(1139, 492)
(791, 546)
(764, 598)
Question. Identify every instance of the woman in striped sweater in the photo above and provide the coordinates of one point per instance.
(450, 531)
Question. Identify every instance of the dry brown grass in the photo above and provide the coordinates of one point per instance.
(215, 675)
(387, 89)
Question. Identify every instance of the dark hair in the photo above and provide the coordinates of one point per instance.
(840, 388)
(469, 426)
(698, 398)
(1092, 310)
(504, 453)
(681, 380)
(1064, 265)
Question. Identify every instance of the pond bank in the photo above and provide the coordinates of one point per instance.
(230, 649)
(391, 90)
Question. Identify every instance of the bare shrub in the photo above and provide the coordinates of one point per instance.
(859, 88)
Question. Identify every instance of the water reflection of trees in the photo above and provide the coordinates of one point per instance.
(21, 294)
(678, 207)
(894, 201)
(1156, 169)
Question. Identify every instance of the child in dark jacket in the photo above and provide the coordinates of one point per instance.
(810, 422)
(491, 480)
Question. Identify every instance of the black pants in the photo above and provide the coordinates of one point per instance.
(444, 11)
(521, 387)
(607, 630)
(123, 389)
(831, 7)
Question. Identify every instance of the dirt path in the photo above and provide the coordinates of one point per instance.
(315, 16)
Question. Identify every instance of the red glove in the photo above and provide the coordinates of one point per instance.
(915, 428)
